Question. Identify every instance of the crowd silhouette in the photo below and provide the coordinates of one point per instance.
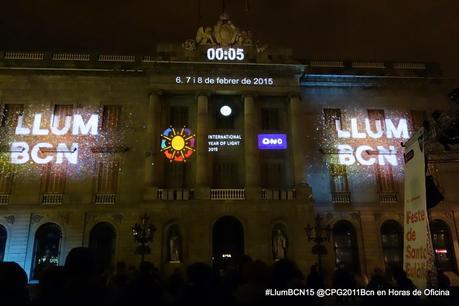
(83, 282)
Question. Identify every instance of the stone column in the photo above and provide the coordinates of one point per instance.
(202, 190)
(252, 166)
(297, 144)
(152, 168)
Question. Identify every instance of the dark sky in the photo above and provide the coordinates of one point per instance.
(383, 30)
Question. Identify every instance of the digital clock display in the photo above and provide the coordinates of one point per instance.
(227, 54)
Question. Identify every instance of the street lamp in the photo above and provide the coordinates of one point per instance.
(320, 235)
(143, 235)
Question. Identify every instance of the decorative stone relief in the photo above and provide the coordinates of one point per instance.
(10, 219)
(223, 34)
(35, 218)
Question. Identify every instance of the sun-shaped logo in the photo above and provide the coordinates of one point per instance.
(178, 146)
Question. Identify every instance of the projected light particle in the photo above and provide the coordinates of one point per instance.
(225, 110)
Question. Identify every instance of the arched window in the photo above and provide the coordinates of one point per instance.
(46, 248)
(443, 245)
(346, 249)
(3, 237)
(392, 243)
(102, 240)
(174, 244)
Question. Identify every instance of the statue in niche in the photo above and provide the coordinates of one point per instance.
(279, 244)
(175, 243)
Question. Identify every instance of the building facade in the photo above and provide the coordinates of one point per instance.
(225, 156)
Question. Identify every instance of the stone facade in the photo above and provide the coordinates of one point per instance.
(147, 88)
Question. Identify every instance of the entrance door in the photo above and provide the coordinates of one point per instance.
(227, 242)
(102, 241)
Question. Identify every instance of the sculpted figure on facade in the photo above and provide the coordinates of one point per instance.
(279, 244)
(204, 36)
(174, 247)
(223, 34)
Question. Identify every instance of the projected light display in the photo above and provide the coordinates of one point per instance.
(371, 145)
(73, 140)
(272, 141)
(22, 151)
(216, 142)
(178, 145)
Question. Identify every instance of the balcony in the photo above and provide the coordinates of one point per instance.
(105, 198)
(174, 194)
(388, 197)
(278, 194)
(52, 198)
(227, 194)
(339, 197)
(4, 199)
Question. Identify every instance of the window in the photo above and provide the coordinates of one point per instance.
(46, 248)
(3, 237)
(270, 119)
(443, 246)
(338, 178)
(63, 110)
(102, 240)
(330, 117)
(224, 122)
(54, 178)
(392, 243)
(385, 179)
(376, 115)
(6, 178)
(272, 174)
(345, 243)
(111, 117)
(176, 175)
(225, 175)
(107, 177)
(178, 116)
(10, 114)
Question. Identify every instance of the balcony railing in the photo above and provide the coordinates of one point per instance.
(278, 194)
(52, 198)
(4, 199)
(105, 198)
(388, 197)
(227, 194)
(341, 197)
(174, 194)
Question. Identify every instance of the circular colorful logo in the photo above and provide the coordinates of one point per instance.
(176, 145)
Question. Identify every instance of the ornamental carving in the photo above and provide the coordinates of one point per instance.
(223, 34)
(10, 219)
(36, 218)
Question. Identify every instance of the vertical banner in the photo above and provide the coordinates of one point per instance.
(418, 251)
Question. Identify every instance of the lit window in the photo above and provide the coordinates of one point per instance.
(46, 248)
(346, 249)
(392, 243)
(107, 177)
(111, 117)
(10, 114)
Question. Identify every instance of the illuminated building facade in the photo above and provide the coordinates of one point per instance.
(231, 151)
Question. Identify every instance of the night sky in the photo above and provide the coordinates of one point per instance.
(380, 30)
